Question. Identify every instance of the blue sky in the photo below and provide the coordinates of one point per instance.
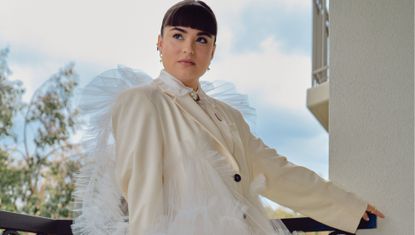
(264, 47)
(290, 26)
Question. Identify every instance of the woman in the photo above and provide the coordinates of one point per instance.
(166, 158)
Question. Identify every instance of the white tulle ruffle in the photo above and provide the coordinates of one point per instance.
(205, 204)
(99, 208)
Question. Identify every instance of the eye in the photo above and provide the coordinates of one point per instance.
(202, 40)
(178, 36)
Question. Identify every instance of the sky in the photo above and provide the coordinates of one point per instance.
(263, 47)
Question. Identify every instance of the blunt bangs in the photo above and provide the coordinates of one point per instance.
(193, 14)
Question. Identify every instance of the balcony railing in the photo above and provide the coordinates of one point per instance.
(320, 67)
(13, 223)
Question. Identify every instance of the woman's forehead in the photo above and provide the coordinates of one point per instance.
(186, 30)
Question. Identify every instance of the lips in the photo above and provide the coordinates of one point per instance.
(187, 62)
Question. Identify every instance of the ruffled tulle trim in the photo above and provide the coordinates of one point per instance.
(206, 204)
(98, 201)
(227, 93)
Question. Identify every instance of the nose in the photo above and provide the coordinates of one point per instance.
(188, 48)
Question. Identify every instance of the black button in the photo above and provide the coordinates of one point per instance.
(237, 177)
(244, 216)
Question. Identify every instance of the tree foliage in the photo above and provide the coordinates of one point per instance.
(37, 152)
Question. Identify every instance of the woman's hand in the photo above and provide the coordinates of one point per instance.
(370, 208)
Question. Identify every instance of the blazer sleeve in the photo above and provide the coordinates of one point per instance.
(299, 188)
(139, 151)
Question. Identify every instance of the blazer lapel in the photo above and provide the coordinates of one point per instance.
(189, 106)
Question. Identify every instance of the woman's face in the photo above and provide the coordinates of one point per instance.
(186, 53)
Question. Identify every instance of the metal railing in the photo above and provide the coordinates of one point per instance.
(320, 68)
(305, 224)
(13, 223)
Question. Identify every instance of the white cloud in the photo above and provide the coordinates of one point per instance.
(34, 76)
(281, 79)
(107, 32)
(294, 4)
(124, 32)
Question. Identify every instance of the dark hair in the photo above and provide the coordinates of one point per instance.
(193, 14)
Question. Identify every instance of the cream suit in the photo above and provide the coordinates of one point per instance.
(160, 122)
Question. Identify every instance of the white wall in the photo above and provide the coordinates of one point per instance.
(372, 106)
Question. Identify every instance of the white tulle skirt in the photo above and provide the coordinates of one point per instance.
(199, 195)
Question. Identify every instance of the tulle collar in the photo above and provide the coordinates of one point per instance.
(174, 85)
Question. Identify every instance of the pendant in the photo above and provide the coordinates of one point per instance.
(194, 96)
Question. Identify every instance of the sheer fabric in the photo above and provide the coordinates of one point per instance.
(205, 203)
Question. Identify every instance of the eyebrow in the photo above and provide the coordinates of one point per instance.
(201, 33)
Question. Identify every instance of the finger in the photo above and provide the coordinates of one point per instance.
(366, 216)
(379, 214)
(373, 210)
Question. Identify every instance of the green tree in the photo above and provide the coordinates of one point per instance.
(38, 158)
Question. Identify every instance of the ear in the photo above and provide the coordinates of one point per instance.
(159, 42)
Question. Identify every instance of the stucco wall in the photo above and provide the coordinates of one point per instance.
(372, 106)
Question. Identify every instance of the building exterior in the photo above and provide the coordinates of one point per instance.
(371, 109)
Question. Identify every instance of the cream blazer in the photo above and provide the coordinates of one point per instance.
(169, 121)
